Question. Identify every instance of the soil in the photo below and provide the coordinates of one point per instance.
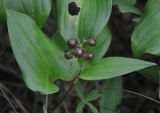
(121, 26)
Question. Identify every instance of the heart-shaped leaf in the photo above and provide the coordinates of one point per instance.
(111, 95)
(146, 36)
(112, 67)
(37, 9)
(40, 60)
(82, 18)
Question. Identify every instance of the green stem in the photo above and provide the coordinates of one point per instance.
(74, 81)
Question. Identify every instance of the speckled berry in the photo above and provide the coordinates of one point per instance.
(88, 56)
(91, 42)
(68, 55)
(72, 43)
(78, 52)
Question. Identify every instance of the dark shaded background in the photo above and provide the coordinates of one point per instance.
(121, 26)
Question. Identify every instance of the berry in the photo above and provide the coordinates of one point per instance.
(68, 55)
(91, 42)
(72, 43)
(88, 56)
(78, 52)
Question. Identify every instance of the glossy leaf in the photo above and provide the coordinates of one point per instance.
(112, 67)
(40, 60)
(111, 95)
(88, 22)
(37, 9)
(152, 73)
(146, 35)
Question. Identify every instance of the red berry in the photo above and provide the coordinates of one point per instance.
(68, 55)
(91, 42)
(72, 43)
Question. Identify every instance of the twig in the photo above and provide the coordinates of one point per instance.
(16, 100)
(65, 107)
(134, 93)
(8, 100)
(9, 70)
(141, 95)
(12, 84)
(35, 104)
(159, 85)
(74, 81)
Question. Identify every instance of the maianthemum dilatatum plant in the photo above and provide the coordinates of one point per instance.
(76, 50)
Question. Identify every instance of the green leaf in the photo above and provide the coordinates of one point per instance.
(80, 107)
(2, 12)
(111, 95)
(40, 60)
(92, 108)
(37, 9)
(131, 2)
(93, 95)
(152, 73)
(103, 42)
(112, 67)
(80, 91)
(126, 6)
(56, 110)
(59, 41)
(146, 35)
(89, 21)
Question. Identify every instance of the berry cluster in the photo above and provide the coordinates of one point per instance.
(78, 51)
